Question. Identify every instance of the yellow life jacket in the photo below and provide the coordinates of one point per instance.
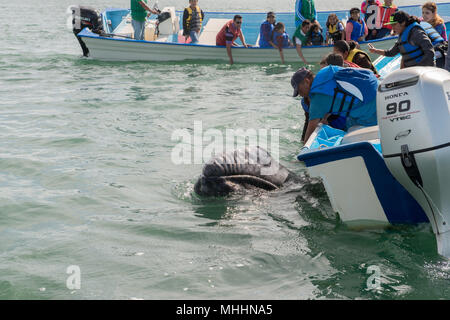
(332, 29)
(352, 54)
(189, 18)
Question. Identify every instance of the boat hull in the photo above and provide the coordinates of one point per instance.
(360, 186)
(115, 49)
(172, 48)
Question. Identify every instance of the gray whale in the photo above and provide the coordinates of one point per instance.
(248, 168)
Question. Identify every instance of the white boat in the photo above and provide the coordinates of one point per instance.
(164, 40)
(399, 171)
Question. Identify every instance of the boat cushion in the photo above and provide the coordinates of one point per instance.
(210, 31)
(362, 134)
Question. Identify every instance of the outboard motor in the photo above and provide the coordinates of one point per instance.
(168, 22)
(82, 17)
(413, 116)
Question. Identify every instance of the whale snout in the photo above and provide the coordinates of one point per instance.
(214, 186)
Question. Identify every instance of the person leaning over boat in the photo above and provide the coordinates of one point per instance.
(265, 31)
(280, 39)
(413, 42)
(192, 21)
(229, 33)
(356, 28)
(335, 121)
(347, 92)
(353, 56)
(304, 10)
(139, 10)
(300, 38)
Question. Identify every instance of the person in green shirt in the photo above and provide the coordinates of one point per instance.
(300, 38)
(304, 10)
(139, 10)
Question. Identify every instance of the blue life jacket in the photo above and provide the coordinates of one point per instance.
(285, 37)
(263, 41)
(355, 87)
(358, 29)
(434, 36)
(317, 38)
(305, 106)
(408, 51)
(335, 121)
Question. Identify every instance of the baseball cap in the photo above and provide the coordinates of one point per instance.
(398, 17)
(298, 78)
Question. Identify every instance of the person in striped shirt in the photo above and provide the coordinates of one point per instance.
(229, 33)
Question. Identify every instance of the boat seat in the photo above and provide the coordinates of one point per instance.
(210, 31)
(357, 134)
(125, 28)
(162, 39)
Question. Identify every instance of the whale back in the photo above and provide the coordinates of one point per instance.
(255, 162)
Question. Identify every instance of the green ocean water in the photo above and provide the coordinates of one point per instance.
(87, 180)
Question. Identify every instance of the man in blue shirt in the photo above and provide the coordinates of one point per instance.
(265, 32)
(348, 92)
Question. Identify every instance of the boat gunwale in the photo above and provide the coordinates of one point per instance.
(92, 35)
(293, 12)
(290, 12)
(317, 155)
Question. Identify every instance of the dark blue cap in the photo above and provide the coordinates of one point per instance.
(298, 78)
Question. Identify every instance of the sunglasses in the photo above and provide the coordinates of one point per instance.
(238, 22)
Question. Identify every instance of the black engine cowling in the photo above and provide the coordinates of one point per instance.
(82, 17)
